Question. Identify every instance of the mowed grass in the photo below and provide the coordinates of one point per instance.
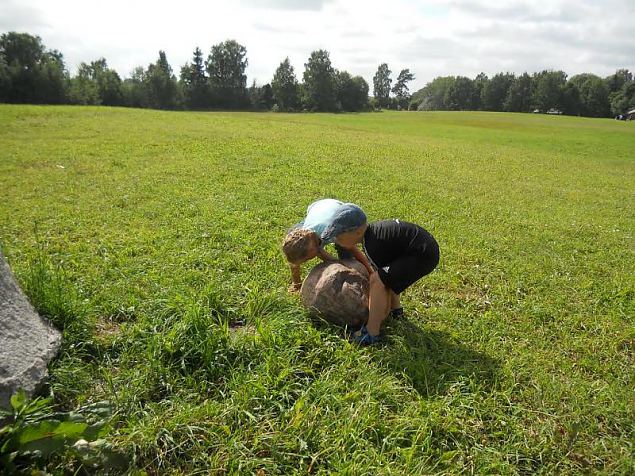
(153, 239)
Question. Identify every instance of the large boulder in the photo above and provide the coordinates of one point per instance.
(27, 341)
(338, 292)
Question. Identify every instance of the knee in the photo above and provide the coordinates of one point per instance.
(375, 281)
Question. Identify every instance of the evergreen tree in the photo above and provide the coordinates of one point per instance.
(400, 89)
(193, 82)
(161, 84)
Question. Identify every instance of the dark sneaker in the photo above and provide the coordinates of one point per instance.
(364, 338)
(397, 313)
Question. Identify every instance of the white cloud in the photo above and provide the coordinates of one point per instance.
(15, 15)
(314, 5)
(431, 38)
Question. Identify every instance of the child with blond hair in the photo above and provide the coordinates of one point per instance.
(307, 239)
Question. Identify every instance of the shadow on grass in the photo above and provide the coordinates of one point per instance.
(434, 361)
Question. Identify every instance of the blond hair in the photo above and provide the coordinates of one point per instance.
(297, 243)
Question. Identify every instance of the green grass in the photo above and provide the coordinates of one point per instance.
(153, 239)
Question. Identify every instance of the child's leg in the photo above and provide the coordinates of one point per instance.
(378, 304)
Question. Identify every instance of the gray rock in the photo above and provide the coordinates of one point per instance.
(337, 291)
(27, 341)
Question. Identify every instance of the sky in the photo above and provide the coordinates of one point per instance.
(432, 38)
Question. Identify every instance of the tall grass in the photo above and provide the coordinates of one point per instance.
(158, 254)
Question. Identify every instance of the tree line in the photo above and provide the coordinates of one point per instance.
(30, 73)
(547, 91)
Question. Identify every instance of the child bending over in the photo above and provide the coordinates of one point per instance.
(400, 254)
(305, 240)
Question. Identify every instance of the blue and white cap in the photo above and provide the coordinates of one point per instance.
(347, 218)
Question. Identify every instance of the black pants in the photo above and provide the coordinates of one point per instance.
(405, 270)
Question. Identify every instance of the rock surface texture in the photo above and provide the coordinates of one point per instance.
(27, 341)
(338, 292)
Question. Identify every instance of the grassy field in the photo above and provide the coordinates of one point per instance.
(152, 238)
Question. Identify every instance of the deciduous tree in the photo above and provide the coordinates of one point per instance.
(594, 95)
(519, 95)
(381, 85)
(31, 74)
(547, 90)
(286, 93)
(319, 82)
(624, 100)
(495, 91)
(83, 87)
(135, 89)
(5, 80)
(479, 84)
(352, 92)
(616, 81)
(225, 67)
(570, 101)
(260, 97)
(432, 96)
(460, 95)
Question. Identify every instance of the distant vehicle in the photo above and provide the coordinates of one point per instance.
(630, 115)
(554, 111)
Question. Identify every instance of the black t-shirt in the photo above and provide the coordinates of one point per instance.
(387, 240)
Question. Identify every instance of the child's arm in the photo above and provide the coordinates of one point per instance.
(361, 257)
(296, 283)
(324, 255)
